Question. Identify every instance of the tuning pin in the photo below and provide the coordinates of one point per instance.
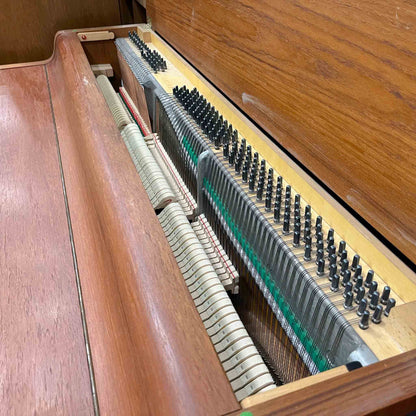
(237, 165)
(321, 267)
(269, 187)
(288, 191)
(235, 136)
(251, 182)
(362, 307)
(319, 237)
(385, 295)
(331, 251)
(287, 209)
(320, 245)
(332, 259)
(343, 256)
(318, 225)
(225, 150)
(231, 157)
(355, 262)
(217, 142)
(341, 247)
(348, 301)
(261, 176)
(348, 288)
(248, 152)
(276, 209)
(308, 212)
(344, 266)
(244, 175)
(308, 240)
(390, 305)
(335, 283)
(308, 250)
(374, 300)
(286, 226)
(377, 315)
(259, 192)
(346, 278)
(372, 289)
(332, 271)
(296, 238)
(306, 233)
(358, 283)
(369, 278)
(360, 295)
(319, 256)
(357, 272)
(365, 318)
(268, 201)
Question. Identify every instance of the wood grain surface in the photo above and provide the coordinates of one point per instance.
(332, 82)
(284, 389)
(105, 52)
(134, 89)
(151, 353)
(383, 389)
(28, 27)
(43, 361)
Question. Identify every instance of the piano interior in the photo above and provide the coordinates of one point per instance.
(308, 290)
(267, 278)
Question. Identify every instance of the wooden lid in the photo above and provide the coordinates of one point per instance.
(333, 84)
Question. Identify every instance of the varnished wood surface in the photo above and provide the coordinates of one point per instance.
(332, 82)
(29, 27)
(150, 351)
(105, 52)
(284, 389)
(134, 89)
(383, 389)
(43, 358)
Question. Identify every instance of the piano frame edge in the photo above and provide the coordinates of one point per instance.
(362, 237)
(377, 255)
(383, 389)
(392, 269)
(400, 369)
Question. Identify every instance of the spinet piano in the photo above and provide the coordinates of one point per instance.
(163, 254)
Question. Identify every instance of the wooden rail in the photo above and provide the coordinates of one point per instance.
(385, 388)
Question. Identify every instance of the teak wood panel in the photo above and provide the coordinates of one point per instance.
(43, 359)
(150, 351)
(383, 389)
(28, 27)
(332, 82)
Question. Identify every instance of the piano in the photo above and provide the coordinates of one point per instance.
(212, 213)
